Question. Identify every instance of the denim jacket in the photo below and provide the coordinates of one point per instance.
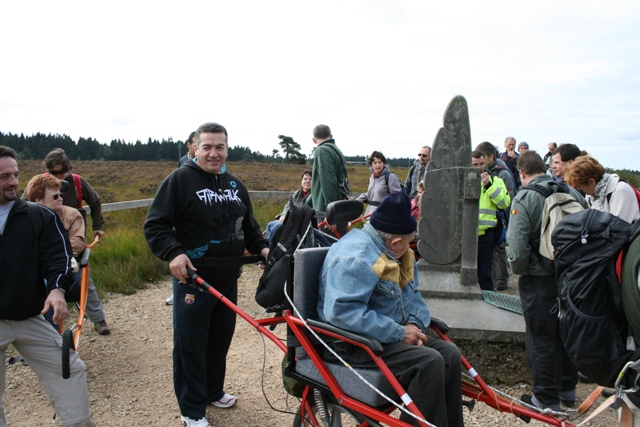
(363, 289)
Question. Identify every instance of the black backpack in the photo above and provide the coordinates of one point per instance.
(593, 328)
(295, 232)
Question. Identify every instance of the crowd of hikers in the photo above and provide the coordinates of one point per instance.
(567, 228)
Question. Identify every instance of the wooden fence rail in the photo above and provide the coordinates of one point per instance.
(142, 203)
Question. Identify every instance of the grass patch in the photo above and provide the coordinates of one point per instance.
(123, 262)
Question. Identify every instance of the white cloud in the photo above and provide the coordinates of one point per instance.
(379, 73)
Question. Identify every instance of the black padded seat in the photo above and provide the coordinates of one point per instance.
(308, 265)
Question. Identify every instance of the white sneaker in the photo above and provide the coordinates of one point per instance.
(227, 401)
(188, 422)
(169, 301)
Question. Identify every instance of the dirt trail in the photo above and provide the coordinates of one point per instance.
(130, 379)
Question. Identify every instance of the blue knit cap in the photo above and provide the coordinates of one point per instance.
(394, 215)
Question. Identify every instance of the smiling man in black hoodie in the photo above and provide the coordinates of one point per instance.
(202, 212)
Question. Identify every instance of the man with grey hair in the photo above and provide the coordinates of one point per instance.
(329, 176)
(417, 171)
(201, 213)
(547, 157)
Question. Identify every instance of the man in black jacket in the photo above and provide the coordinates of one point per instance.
(200, 213)
(35, 248)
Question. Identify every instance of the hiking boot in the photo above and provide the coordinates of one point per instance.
(533, 401)
(102, 328)
(169, 301)
(227, 401)
(190, 422)
(502, 286)
(568, 403)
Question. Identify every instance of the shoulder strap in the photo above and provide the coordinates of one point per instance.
(386, 178)
(542, 189)
(78, 184)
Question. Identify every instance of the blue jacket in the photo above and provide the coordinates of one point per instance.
(363, 289)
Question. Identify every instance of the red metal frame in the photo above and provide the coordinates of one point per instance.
(479, 391)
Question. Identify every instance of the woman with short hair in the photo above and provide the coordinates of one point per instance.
(381, 183)
(605, 192)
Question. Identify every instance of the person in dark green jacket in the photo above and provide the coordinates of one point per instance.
(554, 381)
(329, 175)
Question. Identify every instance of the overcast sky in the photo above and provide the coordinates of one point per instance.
(380, 73)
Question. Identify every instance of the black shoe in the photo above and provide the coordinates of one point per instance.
(502, 287)
(568, 403)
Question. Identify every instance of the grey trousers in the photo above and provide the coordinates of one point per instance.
(41, 346)
(94, 306)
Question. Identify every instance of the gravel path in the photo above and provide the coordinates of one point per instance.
(130, 380)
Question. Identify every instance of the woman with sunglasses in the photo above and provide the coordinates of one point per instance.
(45, 190)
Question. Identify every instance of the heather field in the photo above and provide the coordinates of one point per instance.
(123, 263)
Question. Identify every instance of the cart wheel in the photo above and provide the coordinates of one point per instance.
(67, 344)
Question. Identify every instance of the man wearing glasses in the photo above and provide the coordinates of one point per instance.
(59, 166)
(417, 171)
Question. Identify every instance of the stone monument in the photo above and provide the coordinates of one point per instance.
(448, 226)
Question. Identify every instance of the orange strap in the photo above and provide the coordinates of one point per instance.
(588, 402)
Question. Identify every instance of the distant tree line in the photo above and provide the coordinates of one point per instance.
(37, 146)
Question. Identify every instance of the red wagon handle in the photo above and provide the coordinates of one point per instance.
(258, 324)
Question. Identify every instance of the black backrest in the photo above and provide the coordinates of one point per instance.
(306, 280)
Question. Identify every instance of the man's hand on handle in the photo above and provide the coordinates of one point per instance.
(178, 267)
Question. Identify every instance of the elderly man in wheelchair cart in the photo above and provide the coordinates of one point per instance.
(369, 286)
